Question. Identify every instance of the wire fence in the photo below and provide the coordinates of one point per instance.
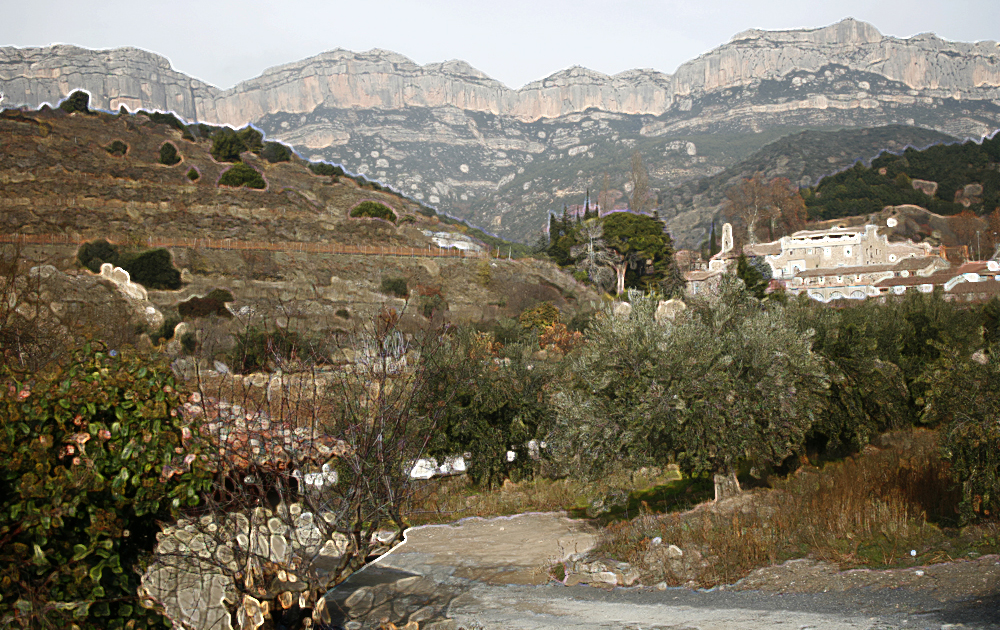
(272, 246)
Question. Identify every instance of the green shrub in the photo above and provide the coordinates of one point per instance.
(117, 148)
(275, 152)
(95, 253)
(153, 269)
(395, 286)
(228, 144)
(242, 175)
(221, 295)
(325, 169)
(165, 119)
(78, 101)
(168, 154)
(193, 174)
(94, 459)
(343, 312)
(374, 210)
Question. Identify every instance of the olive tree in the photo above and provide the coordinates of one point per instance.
(725, 384)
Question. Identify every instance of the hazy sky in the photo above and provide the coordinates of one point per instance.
(514, 41)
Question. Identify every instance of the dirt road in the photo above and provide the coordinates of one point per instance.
(491, 574)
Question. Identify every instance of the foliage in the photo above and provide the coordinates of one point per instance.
(193, 174)
(168, 154)
(887, 181)
(374, 210)
(538, 317)
(78, 101)
(94, 456)
(117, 148)
(242, 175)
(499, 406)
(275, 152)
(326, 169)
(164, 118)
(395, 286)
(166, 330)
(731, 383)
(228, 143)
(153, 269)
(752, 278)
(963, 395)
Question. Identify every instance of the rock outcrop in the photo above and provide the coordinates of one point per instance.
(381, 79)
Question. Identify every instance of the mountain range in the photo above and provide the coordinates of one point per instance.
(450, 136)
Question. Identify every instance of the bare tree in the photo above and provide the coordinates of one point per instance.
(639, 178)
(311, 479)
(776, 205)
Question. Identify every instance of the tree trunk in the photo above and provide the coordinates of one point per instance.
(726, 485)
(620, 273)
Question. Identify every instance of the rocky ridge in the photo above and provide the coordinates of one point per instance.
(450, 136)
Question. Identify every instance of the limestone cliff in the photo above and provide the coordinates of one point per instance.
(380, 79)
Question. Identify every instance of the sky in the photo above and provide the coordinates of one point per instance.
(513, 41)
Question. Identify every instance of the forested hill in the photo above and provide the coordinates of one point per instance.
(958, 176)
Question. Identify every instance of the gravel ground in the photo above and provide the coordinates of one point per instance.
(491, 574)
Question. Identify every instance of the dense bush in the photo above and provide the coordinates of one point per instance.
(168, 154)
(275, 152)
(228, 144)
(94, 457)
(78, 101)
(242, 175)
(166, 330)
(500, 405)
(395, 286)
(193, 174)
(117, 148)
(153, 269)
(538, 317)
(164, 118)
(325, 169)
(374, 210)
(95, 253)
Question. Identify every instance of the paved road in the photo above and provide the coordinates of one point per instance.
(490, 574)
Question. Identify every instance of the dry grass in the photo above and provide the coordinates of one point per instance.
(449, 499)
(870, 510)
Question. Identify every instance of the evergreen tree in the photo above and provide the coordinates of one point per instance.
(713, 241)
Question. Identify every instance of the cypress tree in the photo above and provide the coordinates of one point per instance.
(713, 241)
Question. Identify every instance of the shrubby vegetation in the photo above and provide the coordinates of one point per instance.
(228, 143)
(168, 154)
(373, 209)
(117, 148)
(153, 268)
(94, 457)
(78, 101)
(395, 286)
(865, 189)
(242, 175)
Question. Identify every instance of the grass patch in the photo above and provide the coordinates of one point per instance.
(869, 510)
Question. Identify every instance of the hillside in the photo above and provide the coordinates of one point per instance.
(803, 158)
(61, 181)
(454, 138)
(946, 178)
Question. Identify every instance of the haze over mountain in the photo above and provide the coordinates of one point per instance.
(447, 134)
